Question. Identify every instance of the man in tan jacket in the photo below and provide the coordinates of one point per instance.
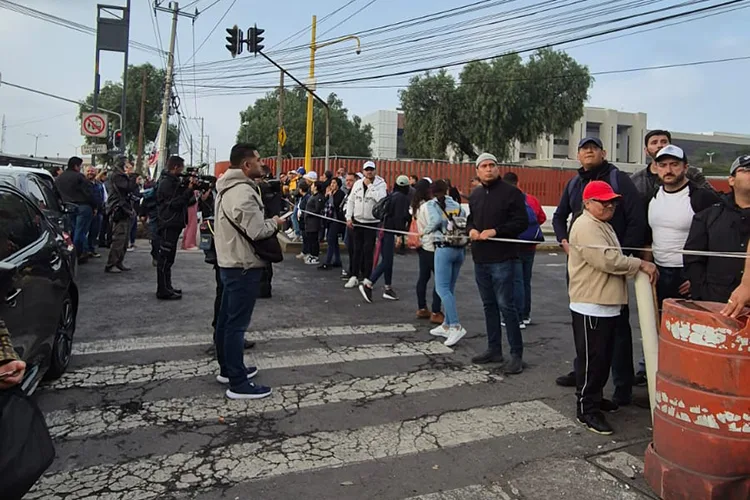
(239, 218)
(598, 290)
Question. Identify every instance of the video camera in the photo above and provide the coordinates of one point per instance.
(202, 183)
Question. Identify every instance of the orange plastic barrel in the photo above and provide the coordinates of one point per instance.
(701, 440)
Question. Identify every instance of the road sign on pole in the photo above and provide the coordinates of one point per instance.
(282, 136)
(94, 149)
(94, 125)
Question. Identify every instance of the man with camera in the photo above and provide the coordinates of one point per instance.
(173, 196)
(120, 189)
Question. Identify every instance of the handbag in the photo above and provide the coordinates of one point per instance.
(27, 449)
(413, 241)
(267, 249)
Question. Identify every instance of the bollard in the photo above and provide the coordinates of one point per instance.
(701, 440)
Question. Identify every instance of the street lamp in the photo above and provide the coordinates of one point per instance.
(710, 155)
(36, 141)
(309, 129)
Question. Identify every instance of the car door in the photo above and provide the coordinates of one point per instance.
(29, 306)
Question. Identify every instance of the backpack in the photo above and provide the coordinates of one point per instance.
(534, 231)
(575, 191)
(382, 208)
(455, 235)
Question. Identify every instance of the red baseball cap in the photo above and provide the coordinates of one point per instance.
(599, 190)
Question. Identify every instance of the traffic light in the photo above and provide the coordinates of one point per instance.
(254, 39)
(117, 140)
(234, 41)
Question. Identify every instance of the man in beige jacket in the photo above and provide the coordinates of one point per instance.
(598, 290)
(239, 217)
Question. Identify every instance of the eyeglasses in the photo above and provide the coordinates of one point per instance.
(608, 203)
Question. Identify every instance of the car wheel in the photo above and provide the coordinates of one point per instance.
(63, 343)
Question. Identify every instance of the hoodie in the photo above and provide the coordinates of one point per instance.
(363, 198)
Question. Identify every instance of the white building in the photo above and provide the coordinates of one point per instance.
(385, 127)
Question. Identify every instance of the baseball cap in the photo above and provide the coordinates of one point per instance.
(369, 165)
(402, 180)
(301, 171)
(741, 161)
(595, 140)
(671, 151)
(312, 176)
(599, 190)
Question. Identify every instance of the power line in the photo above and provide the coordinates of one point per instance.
(347, 18)
(195, 52)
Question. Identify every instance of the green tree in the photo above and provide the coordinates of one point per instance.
(494, 104)
(110, 96)
(259, 124)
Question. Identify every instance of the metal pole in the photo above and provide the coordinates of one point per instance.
(279, 148)
(311, 83)
(208, 148)
(167, 92)
(95, 104)
(124, 101)
(142, 124)
(201, 160)
(328, 137)
(191, 150)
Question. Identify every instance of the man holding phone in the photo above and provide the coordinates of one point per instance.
(11, 368)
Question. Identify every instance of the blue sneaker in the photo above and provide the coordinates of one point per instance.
(251, 372)
(249, 391)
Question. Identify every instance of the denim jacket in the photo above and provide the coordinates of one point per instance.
(437, 220)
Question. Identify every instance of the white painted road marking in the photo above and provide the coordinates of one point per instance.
(109, 419)
(472, 492)
(98, 376)
(171, 341)
(227, 465)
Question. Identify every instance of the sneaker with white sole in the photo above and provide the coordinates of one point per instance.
(251, 372)
(366, 291)
(250, 391)
(312, 261)
(527, 321)
(390, 294)
(455, 333)
(352, 283)
(522, 325)
(440, 331)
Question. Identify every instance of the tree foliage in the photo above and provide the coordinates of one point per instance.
(110, 95)
(259, 124)
(494, 104)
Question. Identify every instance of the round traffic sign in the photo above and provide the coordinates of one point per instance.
(94, 125)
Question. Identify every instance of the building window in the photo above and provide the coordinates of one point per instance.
(562, 142)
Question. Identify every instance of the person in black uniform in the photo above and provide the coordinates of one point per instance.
(273, 205)
(174, 195)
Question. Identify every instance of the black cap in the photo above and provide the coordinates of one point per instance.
(741, 161)
(594, 140)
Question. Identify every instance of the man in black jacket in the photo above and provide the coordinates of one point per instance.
(724, 227)
(629, 223)
(120, 188)
(173, 197)
(76, 189)
(273, 205)
(497, 210)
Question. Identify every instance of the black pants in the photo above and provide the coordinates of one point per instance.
(167, 250)
(105, 231)
(120, 239)
(313, 243)
(595, 344)
(426, 270)
(364, 249)
(219, 291)
(349, 243)
(265, 282)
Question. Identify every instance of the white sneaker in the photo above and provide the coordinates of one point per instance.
(312, 261)
(455, 333)
(522, 325)
(352, 283)
(527, 321)
(440, 331)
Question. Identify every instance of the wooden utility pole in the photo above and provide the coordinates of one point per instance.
(142, 125)
(279, 152)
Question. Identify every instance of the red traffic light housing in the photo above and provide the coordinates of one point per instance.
(117, 140)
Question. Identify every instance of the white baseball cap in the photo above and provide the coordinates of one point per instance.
(311, 176)
(369, 165)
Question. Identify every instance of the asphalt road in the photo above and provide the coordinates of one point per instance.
(366, 404)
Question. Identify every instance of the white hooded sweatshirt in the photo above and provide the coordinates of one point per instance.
(363, 198)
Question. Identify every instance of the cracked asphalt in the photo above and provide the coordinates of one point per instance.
(366, 404)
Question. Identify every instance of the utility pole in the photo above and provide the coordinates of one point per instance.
(124, 99)
(279, 151)
(311, 84)
(142, 126)
(36, 141)
(2, 135)
(208, 148)
(201, 160)
(191, 150)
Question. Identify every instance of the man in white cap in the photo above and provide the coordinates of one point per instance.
(365, 193)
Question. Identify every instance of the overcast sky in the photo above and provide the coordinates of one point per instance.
(59, 60)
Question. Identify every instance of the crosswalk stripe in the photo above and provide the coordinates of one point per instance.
(99, 376)
(225, 465)
(113, 418)
(171, 341)
(472, 492)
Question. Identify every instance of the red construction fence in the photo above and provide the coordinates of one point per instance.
(546, 183)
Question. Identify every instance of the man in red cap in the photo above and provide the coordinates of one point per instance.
(598, 291)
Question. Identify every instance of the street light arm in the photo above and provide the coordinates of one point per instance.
(339, 40)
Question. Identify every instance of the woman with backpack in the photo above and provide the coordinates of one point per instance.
(395, 217)
(426, 252)
(334, 209)
(447, 222)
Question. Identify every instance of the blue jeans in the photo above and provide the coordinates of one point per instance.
(96, 225)
(385, 267)
(241, 288)
(84, 214)
(522, 284)
(333, 256)
(448, 262)
(295, 221)
(495, 283)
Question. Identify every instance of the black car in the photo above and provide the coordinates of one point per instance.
(38, 293)
(39, 185)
